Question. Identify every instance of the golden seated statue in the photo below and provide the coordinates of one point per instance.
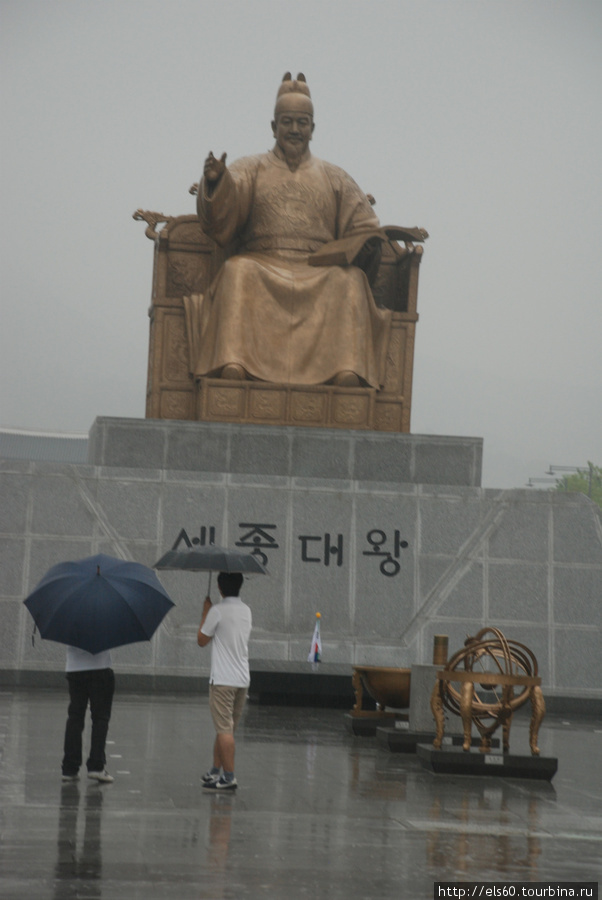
(283, 301)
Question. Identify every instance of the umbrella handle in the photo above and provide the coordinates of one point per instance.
(209, 585)
(33, 635)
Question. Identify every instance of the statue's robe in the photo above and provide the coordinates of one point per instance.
(268, 310)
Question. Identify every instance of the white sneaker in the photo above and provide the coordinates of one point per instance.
(221, 785)
(101, 776)
(210, 778)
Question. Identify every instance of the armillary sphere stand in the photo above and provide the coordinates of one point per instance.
(499, 666)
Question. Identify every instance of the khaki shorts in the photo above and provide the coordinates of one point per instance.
(226, 705)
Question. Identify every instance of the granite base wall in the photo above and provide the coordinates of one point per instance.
(388, 564)
(285, 451)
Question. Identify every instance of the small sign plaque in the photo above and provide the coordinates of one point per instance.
(492, 760)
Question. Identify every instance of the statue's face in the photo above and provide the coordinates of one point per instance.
(293, 131)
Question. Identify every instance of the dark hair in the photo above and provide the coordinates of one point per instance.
(229, 583)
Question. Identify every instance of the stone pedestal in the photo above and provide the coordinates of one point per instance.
(452, 761)
(270, 450)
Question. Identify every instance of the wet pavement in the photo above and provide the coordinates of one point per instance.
(318, 814)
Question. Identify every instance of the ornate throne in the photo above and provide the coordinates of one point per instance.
(185, 262)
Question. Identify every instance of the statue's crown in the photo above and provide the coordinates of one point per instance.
(294, 92)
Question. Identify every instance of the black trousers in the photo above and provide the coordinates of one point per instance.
(96, 687)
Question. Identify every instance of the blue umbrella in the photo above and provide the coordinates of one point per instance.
(98, 603)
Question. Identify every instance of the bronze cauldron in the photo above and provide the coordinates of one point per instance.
(387, 685)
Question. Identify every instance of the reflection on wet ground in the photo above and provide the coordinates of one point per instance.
(318, 813)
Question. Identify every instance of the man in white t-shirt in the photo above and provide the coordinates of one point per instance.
(91, 680)
(227, 625)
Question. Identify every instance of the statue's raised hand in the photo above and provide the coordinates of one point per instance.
(214, 168)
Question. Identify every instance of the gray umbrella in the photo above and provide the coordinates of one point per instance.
(210, 558)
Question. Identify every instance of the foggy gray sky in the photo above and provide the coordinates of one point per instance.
(480, 121)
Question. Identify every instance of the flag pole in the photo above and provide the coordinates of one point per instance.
(315, 651)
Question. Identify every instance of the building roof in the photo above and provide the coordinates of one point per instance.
(43, 446)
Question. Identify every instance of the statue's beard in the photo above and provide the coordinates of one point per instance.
(294, 150)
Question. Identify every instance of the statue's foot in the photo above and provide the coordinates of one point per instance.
(346, 379)
(234, 372)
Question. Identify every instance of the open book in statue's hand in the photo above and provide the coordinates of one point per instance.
(343, 251)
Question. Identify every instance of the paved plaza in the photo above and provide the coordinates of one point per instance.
(318, 813)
